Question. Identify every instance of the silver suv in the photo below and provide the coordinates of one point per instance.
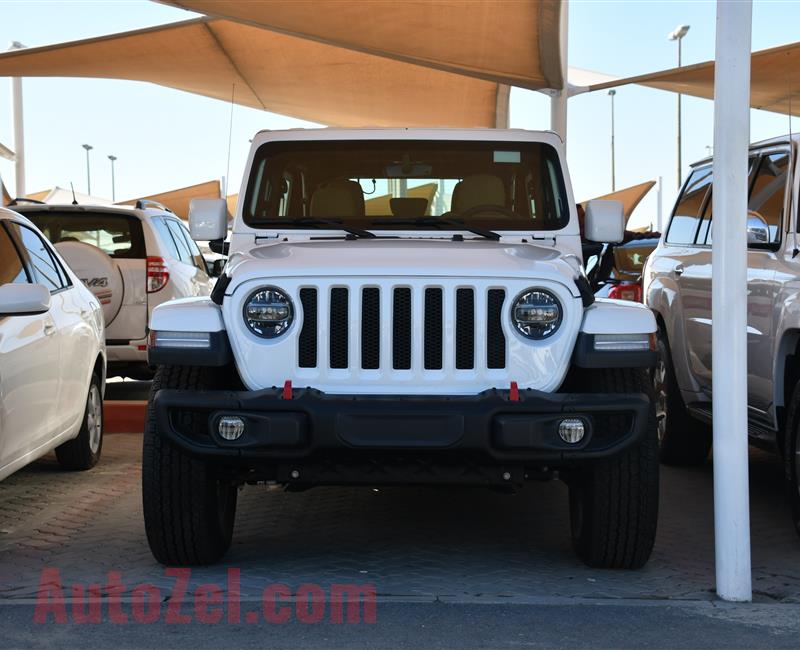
(677, 287)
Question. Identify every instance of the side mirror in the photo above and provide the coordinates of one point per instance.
(757, 229)
(23, 299)
(215, 267)
(605, 221)
(208, 219)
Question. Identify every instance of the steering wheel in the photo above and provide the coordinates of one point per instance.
(476, 209)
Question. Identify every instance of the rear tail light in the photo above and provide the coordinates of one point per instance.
(157, 274)
(632, 292)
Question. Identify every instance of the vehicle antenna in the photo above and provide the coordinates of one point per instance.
(230, 136)
(74, 200)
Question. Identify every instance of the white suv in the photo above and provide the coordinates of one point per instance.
(402, 306)
(133, 259)
(677, 287)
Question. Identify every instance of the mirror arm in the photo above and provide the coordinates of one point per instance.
(219, 246)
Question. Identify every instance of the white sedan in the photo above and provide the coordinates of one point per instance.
(52, 354)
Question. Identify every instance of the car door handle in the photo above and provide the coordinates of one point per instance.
(679, 270)
(49, 329)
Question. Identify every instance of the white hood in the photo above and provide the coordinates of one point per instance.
(442, 258)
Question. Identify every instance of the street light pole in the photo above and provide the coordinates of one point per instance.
(611, 94)
(88, 148)
(677, 35)
(113, 184)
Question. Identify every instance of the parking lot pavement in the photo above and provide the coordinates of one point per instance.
(414, 545)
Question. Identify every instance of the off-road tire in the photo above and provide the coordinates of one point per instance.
(791, 460)
(83, 452)
(614, 503)
(683, 440)
(188, 512)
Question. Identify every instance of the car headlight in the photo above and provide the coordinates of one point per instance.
(536, 314)
(268, 312)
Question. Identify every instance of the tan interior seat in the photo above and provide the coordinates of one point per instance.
(342, 198)
(478, 189)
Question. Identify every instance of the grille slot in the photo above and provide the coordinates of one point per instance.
(495, 339)
(370, 328)
(434, 322)
(401, 329)
(338, 328)
(465, 329)
(307, 343)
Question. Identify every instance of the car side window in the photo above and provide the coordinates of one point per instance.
(166, 237)
(12, 271)
(46, 269)
(184, 254)
(686, 218)
(194, 251)
(767, 194)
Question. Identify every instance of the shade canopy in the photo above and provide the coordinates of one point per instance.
(774, 80)
(350, 83)
(630, 196)
(178, 200)
(513, 42)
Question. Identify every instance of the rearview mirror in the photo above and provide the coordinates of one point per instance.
(208, 219)
(605, 221)
(23, 299)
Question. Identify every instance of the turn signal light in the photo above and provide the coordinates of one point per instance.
(157, 274)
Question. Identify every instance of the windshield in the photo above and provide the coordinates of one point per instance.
(406, 185)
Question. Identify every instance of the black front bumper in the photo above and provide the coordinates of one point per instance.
(304, 437)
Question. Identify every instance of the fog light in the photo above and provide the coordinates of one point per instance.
(571, 430)
(230, 427)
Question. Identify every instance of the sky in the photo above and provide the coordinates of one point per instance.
(165, 139)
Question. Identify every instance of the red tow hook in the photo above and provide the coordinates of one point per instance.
(513, 393)
(287, 389)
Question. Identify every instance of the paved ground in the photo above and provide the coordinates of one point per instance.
(420, 548)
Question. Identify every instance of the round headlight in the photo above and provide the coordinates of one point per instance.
(536, 314)
(268, 312)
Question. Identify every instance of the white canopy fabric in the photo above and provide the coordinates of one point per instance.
(440, 63)
(774, 80)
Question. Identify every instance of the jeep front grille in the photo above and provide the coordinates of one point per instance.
(386, 319)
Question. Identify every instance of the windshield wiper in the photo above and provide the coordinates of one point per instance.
(313, 222)
(436, 222)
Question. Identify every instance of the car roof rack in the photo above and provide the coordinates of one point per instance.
(143, 204)
(22, 199)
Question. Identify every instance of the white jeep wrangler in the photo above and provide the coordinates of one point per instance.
(402, 307)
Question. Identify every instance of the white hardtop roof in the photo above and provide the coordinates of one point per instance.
(377, 133)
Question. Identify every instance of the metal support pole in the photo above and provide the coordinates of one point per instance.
(88, 148)
(660, 206)
(680, 124)
(729, 300)
(113, 180)
(19, 129)
(612, 93)
(558, 99)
